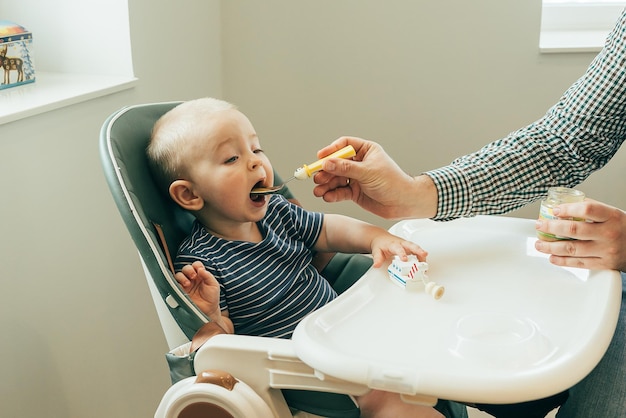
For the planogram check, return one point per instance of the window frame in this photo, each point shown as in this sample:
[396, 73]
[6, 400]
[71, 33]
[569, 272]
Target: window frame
[577, 25]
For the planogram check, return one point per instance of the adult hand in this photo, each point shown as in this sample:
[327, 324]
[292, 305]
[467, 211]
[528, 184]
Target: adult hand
[374, 181]
[600, 243]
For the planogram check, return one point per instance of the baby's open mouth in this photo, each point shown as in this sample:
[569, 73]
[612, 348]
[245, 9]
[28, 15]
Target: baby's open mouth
[257, 197]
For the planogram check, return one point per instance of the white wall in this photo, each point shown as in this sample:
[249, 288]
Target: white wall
[430, 80]
[80, 335]
[97, 43]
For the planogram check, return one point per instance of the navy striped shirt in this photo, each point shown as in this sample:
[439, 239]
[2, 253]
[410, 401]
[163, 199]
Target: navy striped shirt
[576, 137]
[267, 287]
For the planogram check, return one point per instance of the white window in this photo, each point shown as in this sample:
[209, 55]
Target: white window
[577, 25]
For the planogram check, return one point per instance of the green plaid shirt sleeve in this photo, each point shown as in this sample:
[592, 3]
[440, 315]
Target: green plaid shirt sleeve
[576, 137]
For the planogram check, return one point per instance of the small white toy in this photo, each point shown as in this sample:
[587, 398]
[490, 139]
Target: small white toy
[411, 275]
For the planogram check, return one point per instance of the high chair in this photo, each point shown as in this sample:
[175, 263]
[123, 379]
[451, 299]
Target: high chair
[510, 328]
[262, 366]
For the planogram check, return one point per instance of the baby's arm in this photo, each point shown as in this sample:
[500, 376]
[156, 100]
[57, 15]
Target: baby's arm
[204, 291]
[348, 235]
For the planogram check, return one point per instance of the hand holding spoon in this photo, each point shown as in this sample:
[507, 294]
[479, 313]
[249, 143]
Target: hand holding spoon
[307, 171]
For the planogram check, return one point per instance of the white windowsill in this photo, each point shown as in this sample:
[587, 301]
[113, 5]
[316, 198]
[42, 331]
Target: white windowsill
[56, 90]
[572, 41]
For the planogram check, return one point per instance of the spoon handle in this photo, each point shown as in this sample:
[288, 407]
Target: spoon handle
[308, 170]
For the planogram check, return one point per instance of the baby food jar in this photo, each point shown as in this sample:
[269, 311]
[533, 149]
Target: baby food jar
[556, 196]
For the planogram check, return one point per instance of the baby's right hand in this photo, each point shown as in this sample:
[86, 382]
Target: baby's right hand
[202, 287]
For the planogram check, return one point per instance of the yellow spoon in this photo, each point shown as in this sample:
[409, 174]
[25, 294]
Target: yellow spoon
[307, 171]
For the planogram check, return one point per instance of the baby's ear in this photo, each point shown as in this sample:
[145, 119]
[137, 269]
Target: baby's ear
[182, 193]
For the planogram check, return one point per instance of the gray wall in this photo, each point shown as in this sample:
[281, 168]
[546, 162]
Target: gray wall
[429, 80]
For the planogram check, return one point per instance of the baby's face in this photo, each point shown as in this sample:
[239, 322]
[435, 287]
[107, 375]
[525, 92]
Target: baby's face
[225, 162]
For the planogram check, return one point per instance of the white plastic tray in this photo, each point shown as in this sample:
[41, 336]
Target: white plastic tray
[510, 327]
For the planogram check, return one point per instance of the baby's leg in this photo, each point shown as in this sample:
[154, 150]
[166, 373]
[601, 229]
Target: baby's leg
[379, 404]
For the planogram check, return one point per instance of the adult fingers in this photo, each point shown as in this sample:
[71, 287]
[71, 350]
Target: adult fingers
[589, 209]
[568, 229]
[578, 253]
[340, 167]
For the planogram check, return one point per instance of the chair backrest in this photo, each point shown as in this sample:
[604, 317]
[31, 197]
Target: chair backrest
[123, 140]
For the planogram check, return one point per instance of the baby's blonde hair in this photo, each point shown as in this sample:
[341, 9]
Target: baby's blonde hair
[165, 150]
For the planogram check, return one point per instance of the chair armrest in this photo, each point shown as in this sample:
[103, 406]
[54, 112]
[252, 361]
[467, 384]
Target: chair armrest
[266, 365]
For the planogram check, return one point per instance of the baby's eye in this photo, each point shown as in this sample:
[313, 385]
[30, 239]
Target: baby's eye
[231, 160]
[258, 151]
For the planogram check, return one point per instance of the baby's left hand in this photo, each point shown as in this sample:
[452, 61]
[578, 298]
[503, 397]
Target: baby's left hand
[388, 245]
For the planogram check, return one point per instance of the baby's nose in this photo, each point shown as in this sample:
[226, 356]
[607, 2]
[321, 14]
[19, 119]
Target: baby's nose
[254, 163]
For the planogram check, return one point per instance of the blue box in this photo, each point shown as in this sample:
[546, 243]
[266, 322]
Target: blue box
[15, 55]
